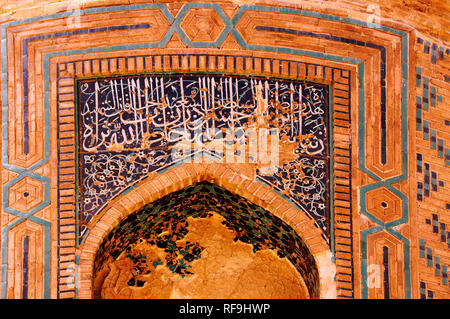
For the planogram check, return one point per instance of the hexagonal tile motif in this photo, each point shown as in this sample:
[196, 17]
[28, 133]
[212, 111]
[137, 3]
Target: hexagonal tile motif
[202, 25]
[26, 194]
[384, 204]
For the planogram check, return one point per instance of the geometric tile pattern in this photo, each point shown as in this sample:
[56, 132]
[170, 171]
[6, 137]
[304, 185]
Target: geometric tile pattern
[26, 194]
[434, 262]
[439, 228]
[428, 100]
[384, 205]
[202, 25]
[383, 249]
[433, 50]
[432, 166]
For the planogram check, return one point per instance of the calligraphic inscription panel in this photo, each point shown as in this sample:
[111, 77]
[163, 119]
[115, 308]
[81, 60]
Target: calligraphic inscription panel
[131, 127]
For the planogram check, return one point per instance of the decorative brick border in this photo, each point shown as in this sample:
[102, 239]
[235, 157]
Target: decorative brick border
[225, 176]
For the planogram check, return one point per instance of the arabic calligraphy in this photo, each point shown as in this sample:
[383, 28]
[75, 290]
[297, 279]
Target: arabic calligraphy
[304, 180]
[131, 127]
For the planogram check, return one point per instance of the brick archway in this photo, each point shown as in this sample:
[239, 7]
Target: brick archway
[226, 176]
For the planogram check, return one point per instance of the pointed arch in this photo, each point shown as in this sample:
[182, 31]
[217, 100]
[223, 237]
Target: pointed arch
[226, 176]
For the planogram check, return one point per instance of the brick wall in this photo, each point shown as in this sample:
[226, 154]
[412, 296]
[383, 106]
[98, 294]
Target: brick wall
[433, 162]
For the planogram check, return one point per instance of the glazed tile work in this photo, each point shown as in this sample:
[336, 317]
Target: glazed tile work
[432, 164]
[371, 205]
[131, 127]
[163, 223]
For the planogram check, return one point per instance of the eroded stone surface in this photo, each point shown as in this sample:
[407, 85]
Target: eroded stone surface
[164, 224]
[226, 269]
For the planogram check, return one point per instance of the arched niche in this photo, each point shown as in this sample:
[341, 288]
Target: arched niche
[175, 233]
[314, 247]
